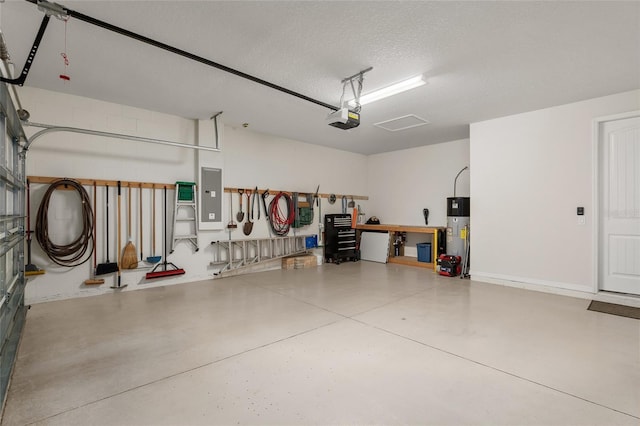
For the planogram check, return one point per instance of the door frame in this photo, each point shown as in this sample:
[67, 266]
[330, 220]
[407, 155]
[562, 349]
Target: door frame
[597, 125]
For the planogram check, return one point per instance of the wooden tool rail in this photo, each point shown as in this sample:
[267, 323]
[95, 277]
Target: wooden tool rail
[276, 191]
[103, 182]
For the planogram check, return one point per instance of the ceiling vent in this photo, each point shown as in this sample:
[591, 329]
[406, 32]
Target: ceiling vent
[402, 123]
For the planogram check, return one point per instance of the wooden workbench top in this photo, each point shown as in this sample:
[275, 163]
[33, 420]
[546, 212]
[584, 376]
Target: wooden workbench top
[400, 228]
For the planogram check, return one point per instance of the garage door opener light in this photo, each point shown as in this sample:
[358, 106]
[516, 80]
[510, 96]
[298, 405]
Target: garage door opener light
[385, 92]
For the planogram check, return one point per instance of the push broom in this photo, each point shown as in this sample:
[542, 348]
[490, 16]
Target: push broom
[165, 272]
[94, 280]
[30, 268]
[129, 255]
[119, 286]
[107, 267]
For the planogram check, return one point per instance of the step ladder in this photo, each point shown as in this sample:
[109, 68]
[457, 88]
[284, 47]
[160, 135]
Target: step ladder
[185, 215]
[235, 254]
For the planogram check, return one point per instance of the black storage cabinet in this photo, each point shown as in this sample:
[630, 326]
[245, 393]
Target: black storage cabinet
[339, 238]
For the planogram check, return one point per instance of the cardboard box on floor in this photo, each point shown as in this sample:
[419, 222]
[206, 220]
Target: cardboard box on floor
[300, 262]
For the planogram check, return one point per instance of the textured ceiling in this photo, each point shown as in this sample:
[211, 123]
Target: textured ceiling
[482, 60]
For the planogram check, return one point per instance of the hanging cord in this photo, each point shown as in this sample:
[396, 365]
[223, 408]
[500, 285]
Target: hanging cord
[68, 255]
[281, 223]
[65, 58]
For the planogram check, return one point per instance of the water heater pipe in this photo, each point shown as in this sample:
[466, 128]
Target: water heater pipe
[455, 181]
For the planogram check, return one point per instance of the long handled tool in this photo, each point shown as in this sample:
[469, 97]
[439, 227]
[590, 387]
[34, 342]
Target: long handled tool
[240, 215]
[140, 222]
[255, 203]
[30, 268]
[119, 286]
[94, 280]
[108, 267]
[129, 255]
[153, 259]
[164, 272]
[248, 225]
[231, 224]
[467, 251]
[264, 197]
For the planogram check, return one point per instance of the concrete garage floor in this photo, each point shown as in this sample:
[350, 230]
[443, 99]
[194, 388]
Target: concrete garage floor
[353, 343]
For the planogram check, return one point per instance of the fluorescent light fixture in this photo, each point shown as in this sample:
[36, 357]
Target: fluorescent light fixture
[394, 89]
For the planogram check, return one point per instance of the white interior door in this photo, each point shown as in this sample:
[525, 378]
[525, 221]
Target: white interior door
[620, 206]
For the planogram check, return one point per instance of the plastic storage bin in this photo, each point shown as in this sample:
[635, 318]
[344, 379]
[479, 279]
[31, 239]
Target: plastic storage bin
[424, 252]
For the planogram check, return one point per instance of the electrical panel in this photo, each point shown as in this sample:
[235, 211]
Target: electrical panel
[211, 195]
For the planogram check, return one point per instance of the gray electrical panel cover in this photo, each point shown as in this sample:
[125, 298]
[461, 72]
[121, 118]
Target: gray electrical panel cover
[211, 192]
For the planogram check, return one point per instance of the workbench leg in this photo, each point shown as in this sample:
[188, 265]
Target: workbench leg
[434, 250]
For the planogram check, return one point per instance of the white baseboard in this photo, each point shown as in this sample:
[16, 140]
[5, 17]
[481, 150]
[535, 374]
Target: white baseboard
[563, 289]
[554, 287]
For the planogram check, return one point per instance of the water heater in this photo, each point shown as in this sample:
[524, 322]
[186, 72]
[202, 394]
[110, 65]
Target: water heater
[458, 213]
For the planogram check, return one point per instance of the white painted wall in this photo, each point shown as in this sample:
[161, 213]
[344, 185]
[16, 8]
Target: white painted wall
[529, 172]
[248, 159]
[403, 183]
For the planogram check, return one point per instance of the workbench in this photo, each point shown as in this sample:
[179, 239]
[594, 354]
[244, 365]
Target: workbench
[407, 260]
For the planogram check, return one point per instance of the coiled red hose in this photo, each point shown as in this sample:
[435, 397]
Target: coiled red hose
[281, 223]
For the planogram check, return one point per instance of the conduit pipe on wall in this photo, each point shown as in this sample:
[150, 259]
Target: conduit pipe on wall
[455, 181]
[48, 128]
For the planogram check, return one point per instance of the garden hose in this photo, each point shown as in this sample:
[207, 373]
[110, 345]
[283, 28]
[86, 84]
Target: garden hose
[281, 223]
[78, 251]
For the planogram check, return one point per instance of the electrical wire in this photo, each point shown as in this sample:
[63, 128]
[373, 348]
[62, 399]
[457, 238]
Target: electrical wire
[281, 223]
[72, 254]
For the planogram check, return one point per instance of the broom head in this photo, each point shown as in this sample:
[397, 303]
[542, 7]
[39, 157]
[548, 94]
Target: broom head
[129, 257]
[164, 272]
[31, 269]
[106, 268]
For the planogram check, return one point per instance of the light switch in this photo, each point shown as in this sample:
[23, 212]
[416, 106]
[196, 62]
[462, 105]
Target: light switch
[581, 220]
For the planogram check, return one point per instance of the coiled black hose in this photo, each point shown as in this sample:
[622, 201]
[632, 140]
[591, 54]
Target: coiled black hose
[72, 254]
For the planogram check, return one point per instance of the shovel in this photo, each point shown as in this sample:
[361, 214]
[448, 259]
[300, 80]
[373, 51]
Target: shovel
[248, 225]
[240, 215]
[231, 224]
